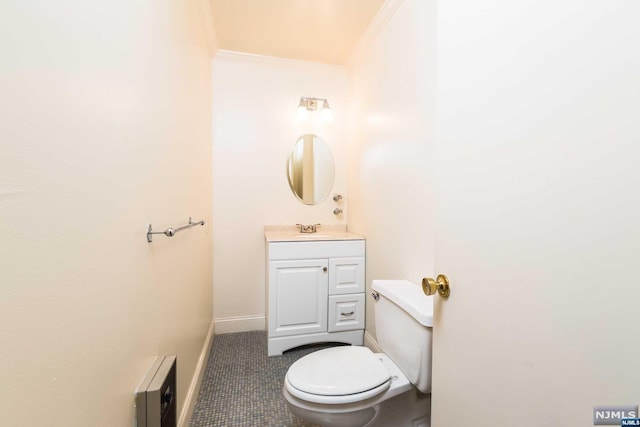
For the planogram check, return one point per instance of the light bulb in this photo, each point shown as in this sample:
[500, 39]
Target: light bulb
[326, 111]
[302, 109]
[303, 113]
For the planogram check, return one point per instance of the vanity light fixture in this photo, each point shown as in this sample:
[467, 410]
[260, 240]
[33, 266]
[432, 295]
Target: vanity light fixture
[307, 104]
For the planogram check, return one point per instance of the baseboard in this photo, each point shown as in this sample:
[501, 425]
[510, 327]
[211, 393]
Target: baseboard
[371, 344]
[194, 389]
[229, 325]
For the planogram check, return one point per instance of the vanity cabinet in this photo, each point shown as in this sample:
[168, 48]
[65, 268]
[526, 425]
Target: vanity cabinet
[315, 293]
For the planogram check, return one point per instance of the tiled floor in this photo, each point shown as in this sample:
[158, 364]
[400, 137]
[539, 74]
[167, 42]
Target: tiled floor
[242, 386]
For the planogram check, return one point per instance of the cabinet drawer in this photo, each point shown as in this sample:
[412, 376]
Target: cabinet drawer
[346, 275]
[346, 312]
[314, 250]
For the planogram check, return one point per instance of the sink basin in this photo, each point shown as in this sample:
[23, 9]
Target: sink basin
[312, 236]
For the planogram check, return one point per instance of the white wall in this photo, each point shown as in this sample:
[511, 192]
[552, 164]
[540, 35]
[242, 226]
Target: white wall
[255, 125]
[391, 154]
[105, 126]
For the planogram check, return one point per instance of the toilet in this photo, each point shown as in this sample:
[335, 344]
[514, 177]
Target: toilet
[351, 386]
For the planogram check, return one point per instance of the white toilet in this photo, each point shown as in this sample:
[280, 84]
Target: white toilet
[352, 386]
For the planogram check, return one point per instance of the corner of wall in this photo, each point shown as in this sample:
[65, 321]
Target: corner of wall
[375, 27]
[208, 26]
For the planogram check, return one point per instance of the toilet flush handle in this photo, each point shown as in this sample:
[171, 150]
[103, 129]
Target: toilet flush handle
[375, 295]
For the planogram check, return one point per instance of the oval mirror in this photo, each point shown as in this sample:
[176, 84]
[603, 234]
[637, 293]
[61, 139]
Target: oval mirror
[310, 169]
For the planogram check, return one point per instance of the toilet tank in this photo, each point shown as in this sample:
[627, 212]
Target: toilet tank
[404, 320]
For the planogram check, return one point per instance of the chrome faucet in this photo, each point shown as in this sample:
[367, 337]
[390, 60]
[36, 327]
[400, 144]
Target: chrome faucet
[311, 228]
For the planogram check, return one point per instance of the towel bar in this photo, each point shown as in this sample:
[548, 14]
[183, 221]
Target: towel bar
[170, 232]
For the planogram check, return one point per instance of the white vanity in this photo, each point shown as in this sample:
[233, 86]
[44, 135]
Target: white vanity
[315, 287]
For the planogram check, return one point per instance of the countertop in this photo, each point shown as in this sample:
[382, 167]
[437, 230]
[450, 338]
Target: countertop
[291, 233]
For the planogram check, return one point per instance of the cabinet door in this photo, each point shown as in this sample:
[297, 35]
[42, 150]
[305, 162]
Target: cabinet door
[346, 275]
[298, 297]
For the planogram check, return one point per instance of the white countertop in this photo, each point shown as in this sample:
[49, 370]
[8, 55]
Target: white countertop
[291, 233]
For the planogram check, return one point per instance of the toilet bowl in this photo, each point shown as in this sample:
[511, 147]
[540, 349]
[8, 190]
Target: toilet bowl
[314, 398]
[352, 386]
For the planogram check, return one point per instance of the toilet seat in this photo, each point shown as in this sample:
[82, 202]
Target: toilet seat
[338, 375]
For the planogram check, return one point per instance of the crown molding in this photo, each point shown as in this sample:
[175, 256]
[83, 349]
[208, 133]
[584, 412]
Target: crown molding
[204, 10]
[232, 56]
[378, 23]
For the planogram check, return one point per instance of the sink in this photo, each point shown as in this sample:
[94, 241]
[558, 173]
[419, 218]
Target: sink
[312, 236]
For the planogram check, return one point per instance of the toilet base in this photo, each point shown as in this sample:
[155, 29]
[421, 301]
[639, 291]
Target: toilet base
[408, 409]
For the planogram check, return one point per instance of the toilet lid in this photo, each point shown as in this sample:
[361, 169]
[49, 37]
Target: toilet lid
[339, 371]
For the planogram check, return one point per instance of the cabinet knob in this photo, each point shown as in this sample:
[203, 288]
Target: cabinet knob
[324, 269]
